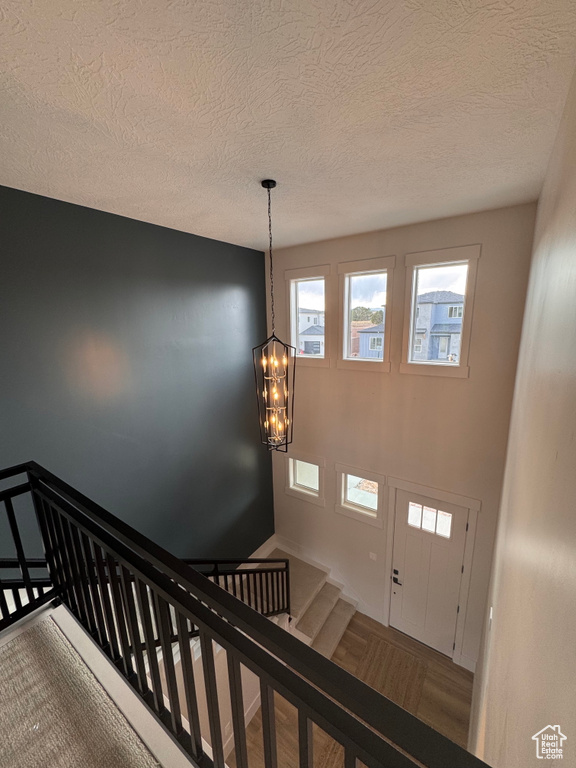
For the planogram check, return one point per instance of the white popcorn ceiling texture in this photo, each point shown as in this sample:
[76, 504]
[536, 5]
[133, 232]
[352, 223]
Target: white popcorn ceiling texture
[369, 113]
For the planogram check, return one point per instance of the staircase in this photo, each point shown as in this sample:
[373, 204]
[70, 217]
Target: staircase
[127, 596]
[319, 611]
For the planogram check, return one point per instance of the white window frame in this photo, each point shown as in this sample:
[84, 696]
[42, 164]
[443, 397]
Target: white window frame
[372, 344]
[455, 310]
[355, 511]
[299, 492]
[350, 269]
[442, 257]
[291, 276]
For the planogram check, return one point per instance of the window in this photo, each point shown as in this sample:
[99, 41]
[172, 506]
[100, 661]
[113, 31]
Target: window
[307, 301]
[305, 478]
[360, 494]
[435, 287]
[365, 300]
[312, 348]
[365, 315]
[438, 313]
[306, 475]
[429, 519]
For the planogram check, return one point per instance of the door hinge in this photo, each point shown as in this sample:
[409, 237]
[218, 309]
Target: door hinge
[466, 526]
[458, 609]
[462, 571]
[454, 646]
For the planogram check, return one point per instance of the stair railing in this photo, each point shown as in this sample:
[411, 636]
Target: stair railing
[123, 589]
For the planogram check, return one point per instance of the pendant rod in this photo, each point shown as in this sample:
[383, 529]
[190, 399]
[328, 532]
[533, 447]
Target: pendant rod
[268, 185]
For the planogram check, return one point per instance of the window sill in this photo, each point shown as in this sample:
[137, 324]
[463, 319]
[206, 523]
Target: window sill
[373, 366]
[447, 371]
[312, 498]
[312, 362]
[363, 517]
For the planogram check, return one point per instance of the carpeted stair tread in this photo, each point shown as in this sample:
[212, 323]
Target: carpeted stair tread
[305, 583]
[333, 629]
[318, 611]
[53, 711]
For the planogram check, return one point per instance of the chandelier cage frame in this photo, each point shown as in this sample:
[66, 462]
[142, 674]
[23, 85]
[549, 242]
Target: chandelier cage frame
[274, 372]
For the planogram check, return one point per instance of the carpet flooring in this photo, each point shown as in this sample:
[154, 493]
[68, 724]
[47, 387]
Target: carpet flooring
[53, 711]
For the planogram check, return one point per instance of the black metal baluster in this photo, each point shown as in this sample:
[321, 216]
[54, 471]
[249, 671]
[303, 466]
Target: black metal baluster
[164, 627]
[96, 597]
[133, 631]
[65, 561]
[212, 699]
[261, 591]
[3, 604]
[80, 568]
[237, 704]
[241, 583]
[268, 725]
[73, 566]
[105, 594]
[16, 598]
[126, 661]
[287, 587]
[150, 643]
[189, 686]
[305, 741]
[19, 548]
[47, 543]
[53, 556]
[349, 758]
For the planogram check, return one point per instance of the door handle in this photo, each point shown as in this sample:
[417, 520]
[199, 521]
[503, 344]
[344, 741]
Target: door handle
[395, 580]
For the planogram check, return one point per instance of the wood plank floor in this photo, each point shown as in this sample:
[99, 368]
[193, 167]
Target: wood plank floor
[426, 683]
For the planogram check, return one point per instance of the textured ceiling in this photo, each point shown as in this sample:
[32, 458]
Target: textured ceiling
[369, 113]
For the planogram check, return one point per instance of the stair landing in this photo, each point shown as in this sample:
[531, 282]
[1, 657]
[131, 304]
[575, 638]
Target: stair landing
[320, 613]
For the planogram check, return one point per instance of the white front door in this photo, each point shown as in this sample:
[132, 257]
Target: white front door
[428, 553]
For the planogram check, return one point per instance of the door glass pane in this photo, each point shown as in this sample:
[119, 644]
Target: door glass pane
[438, 304]
[429, 519]
[444, 524]
[308, 306]
[365, 316]
[414, 515]
[306, 475]
[361, 492]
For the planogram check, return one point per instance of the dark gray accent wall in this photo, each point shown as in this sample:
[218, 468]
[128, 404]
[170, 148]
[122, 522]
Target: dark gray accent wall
[125, 368]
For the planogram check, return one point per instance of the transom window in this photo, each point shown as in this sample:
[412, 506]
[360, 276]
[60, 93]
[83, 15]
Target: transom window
[365, 315]
[430, 519]
[308, 316]
[438, 301]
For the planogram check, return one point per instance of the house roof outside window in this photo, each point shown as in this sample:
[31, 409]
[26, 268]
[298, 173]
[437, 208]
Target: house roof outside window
[440, 297]
[447, 328]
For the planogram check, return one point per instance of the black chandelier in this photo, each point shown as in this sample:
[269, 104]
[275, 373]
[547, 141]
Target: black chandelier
[274, 369]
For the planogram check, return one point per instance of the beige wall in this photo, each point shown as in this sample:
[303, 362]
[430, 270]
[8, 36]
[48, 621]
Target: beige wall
[529, 667]
[444, 433]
